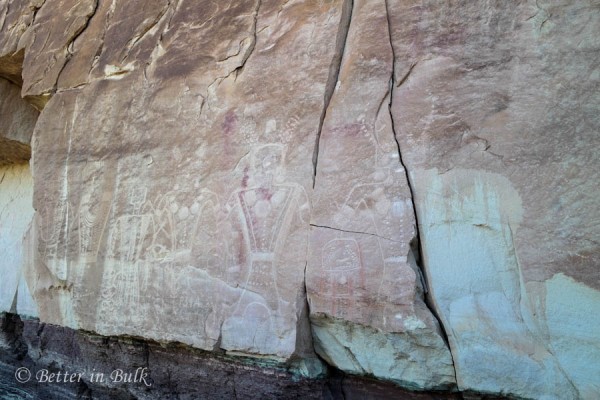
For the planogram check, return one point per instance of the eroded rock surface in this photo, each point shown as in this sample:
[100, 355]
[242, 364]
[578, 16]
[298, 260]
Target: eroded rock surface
[16, 215]
[499, 131]
[365, 288]
[272, 178]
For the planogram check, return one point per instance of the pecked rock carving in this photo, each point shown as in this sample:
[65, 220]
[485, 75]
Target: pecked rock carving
[404, 190]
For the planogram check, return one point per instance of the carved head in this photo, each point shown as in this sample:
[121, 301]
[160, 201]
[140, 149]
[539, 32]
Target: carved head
[268, 161]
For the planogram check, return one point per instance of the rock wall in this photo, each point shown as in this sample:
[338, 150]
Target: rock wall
[16, 214]
[17, 121]
[172, 371]
[499, 132]
[405, 190]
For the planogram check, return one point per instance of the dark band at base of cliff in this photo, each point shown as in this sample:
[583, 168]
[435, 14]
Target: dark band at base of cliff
[175, 371]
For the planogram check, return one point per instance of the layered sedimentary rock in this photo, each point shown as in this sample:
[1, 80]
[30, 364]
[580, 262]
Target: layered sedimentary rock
[170, 371]
[281, 179]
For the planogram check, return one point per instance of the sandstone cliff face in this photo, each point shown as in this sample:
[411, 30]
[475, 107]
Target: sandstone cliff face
[17, 121]
[401, 189]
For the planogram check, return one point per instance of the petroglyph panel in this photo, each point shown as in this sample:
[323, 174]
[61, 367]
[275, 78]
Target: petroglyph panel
[362, 274]
[184, 266]
[194, 162]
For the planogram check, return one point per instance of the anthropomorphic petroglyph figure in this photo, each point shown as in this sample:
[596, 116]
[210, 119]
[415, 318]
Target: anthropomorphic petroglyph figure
[342, 268]
[207, 243]
[263, 214]
[126, 266]
[94, 208]
[266, 231]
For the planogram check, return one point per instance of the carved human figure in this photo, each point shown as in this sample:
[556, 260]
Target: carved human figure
[262, 215]
[342, 267]
[266, 235]
[207, 243]
[94, 208]
[126, 266]
[56, 220]
[378, 208]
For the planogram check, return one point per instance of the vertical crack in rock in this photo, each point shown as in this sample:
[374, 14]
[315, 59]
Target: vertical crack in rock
[144, 32]
[238, 69]
[306, 294]
[71, 41]
[334, 71]
[416, 248]
[250, 50]
[35, 10]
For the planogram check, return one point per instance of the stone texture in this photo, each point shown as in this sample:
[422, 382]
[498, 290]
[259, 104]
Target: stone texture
[185, 215]
[269, 178]
[173, 371]
[49, 44]
[16, 215]
[16, 17]
[499, 133]
[16, 125]
[17, 32]
[365, 290]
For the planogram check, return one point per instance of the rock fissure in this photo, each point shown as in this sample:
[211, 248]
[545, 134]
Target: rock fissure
[36, 9]
[71, 41]
[417, 248]
[334, 72]
[168, 24]
[349, 231]
[239, 68]
[133, 41]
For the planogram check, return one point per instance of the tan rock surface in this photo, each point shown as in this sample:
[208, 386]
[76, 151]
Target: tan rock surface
[178, 210]
[243, 176]
[365, 289]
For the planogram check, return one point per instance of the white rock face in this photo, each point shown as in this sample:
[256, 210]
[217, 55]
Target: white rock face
[467, 222]
[390, 355]
[16, 214]
[572, 328]
[498, 128]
